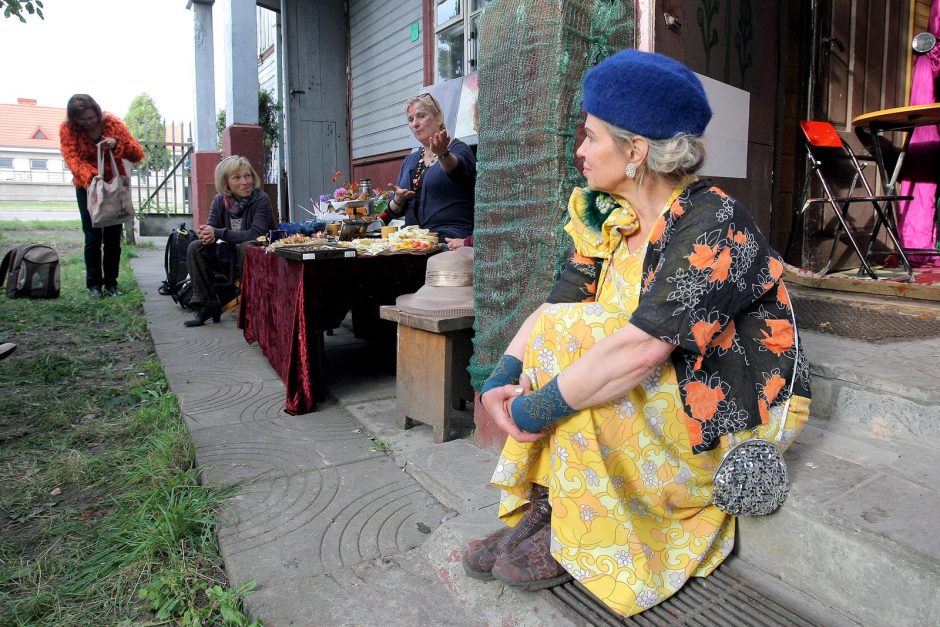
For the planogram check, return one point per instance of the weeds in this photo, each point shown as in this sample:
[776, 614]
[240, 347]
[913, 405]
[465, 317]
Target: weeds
[381, 445]
[103, 519]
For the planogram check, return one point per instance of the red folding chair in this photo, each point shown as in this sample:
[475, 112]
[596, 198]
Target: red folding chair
[836, 166]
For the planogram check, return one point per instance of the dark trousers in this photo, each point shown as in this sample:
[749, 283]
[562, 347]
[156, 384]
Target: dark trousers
[208, 265]
[110, 237]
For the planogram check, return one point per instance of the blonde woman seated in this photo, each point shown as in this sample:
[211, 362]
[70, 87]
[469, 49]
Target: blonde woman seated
[607, 470]
[240, 212]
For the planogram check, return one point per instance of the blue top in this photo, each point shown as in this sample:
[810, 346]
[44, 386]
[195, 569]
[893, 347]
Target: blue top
[444, 202]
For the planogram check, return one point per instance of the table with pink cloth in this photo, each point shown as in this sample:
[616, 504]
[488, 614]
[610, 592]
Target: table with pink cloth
[287, 305]
[916, 219]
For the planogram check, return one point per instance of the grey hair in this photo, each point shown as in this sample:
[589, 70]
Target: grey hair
[673, 158]
[430, 103]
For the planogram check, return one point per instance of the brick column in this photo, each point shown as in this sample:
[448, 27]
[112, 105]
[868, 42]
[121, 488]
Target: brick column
[246, 140]
[202, 169]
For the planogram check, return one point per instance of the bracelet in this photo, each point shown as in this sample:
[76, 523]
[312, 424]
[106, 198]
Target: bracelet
[443, 154]
[536, 411]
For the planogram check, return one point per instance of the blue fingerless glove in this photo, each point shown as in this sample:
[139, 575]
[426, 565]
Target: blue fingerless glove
[506, 372]
[541, 408]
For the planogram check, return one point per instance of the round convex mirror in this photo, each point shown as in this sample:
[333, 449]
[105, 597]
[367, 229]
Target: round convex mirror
[924, 43]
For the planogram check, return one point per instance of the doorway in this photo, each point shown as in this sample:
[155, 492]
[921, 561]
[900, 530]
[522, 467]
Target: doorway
[854, 57]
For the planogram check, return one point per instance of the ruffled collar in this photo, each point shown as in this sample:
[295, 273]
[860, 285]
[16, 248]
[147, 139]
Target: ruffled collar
[599, 221]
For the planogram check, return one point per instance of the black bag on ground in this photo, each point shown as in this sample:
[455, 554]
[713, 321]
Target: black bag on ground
[174, 260]
[184, 293]
[31, 271]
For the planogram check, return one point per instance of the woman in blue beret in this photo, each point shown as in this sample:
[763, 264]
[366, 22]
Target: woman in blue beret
[619, 407]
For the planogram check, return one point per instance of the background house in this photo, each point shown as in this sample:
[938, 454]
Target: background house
[31, 165]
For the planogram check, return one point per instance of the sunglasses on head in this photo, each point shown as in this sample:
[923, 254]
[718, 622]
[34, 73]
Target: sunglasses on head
[430, 97]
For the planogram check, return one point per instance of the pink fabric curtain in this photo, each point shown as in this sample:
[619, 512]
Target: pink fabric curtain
[917, 218]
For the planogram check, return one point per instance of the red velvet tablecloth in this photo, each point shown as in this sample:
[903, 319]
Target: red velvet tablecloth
[285, 305]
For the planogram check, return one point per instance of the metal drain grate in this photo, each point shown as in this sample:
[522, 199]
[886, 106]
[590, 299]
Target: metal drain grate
[865, 323]
[722, 599]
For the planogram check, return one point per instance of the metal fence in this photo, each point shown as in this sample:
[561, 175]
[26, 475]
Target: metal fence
[162, 183]
[35, 176]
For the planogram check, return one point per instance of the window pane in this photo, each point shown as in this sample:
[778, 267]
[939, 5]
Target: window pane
[450, 52]
[447, 9]
[474, 41]
[37, 164]
[476, 5]
[6, 162]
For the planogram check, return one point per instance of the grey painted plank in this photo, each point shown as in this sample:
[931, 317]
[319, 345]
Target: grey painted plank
[382, 59]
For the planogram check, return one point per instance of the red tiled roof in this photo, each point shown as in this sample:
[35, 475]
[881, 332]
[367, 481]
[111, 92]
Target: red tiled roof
[19, 123]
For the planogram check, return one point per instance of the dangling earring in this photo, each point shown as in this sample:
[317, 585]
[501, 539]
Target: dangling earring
[631, 170]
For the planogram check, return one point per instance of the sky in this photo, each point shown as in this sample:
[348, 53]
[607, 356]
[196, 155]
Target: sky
[144, 46]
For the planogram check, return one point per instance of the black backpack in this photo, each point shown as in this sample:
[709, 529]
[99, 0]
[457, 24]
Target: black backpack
[174, 260]
[31, 271]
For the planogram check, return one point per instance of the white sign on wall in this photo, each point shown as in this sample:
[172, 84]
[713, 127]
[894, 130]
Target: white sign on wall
[726, 134]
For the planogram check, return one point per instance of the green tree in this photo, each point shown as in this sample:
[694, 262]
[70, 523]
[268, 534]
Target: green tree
[268, 108]
[146, 125]
[15, 8]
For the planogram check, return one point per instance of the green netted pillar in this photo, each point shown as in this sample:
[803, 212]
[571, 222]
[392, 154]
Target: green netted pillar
[533, 56]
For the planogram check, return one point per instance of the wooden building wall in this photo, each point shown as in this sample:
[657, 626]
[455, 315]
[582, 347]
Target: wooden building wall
[737, 44]
[386, 68]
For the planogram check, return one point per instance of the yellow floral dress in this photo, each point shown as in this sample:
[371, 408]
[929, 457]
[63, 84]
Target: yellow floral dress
[631, 513]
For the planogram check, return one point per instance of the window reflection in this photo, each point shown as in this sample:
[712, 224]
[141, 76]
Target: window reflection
[450, 52]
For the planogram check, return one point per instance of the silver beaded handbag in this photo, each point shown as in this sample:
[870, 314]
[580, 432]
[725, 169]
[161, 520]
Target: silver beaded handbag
[752, 478]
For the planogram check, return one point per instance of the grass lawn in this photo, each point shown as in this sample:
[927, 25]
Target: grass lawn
[102, 518]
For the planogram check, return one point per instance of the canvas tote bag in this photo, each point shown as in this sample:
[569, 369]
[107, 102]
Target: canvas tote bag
[109, 202]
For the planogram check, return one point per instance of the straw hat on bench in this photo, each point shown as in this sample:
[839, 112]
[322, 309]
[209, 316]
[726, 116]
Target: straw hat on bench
[448, 287]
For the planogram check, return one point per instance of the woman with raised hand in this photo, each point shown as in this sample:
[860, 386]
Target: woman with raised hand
[435, 187]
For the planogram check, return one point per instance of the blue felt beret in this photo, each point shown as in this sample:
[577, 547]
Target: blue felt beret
[647, 94]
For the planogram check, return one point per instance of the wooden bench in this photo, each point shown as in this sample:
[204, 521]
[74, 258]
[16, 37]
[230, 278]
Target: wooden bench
[432, 377]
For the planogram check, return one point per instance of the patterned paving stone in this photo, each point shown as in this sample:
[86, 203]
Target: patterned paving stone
[401, 588]
[264, 450]
[220, 397]
[202, 345]
[316, 522]
[266, 405]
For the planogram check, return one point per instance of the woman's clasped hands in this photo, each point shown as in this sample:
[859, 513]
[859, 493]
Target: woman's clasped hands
[497, 403]
[206, 234]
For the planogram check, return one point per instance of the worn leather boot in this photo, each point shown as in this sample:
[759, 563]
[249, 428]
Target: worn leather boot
[480, 555]
[530, 566]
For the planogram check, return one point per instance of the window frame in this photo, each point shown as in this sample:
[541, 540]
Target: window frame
[470, 37]
[44, 166]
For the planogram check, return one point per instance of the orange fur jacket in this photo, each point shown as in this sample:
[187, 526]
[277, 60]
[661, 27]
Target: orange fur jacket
[81, 154]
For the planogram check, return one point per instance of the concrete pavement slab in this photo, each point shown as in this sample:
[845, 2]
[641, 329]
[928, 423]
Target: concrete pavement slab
[313, 523]
[457, 473]
[275, 448]
[398, 587]
[267, 404]
[491, 601]
[897, 510]
[200, 397]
